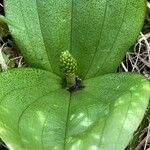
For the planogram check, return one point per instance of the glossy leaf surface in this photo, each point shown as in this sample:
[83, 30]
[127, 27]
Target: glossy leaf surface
[36, 113]
[97, 32]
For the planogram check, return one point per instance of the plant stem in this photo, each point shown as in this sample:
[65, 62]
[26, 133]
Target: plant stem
[71, 79]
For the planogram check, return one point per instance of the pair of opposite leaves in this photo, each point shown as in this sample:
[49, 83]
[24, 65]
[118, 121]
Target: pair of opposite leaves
[35, 112]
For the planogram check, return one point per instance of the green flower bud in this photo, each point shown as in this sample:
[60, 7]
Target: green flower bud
[68, 64]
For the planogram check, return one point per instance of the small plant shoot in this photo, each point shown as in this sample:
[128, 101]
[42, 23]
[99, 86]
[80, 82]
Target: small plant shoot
[68, 66]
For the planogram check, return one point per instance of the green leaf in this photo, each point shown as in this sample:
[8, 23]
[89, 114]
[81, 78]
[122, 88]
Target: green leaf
[36, 113]
[97, 32]
[32, 103]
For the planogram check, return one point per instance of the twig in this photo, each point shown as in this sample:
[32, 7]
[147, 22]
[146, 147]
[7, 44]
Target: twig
[2, 60]
[148, 135]
[147, 45]
[124, 67]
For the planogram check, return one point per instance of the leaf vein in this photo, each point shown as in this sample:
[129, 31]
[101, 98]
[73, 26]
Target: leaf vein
[115, 39]
[100, 37]
[42, 35]
[67, 122]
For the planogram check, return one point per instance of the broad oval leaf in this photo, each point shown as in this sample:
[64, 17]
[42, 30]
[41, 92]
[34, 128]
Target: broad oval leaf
[97, 32]
[36, 113]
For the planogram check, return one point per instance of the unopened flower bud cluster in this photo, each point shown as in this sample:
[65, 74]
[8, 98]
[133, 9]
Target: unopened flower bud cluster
[67, 63]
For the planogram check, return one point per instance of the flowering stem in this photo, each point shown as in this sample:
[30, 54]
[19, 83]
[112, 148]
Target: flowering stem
[68, 66]
[71, 79]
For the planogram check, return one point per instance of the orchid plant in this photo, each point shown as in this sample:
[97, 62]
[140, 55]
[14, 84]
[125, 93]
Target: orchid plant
[70, 96]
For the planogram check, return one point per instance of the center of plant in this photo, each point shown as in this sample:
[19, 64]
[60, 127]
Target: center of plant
[68, 66]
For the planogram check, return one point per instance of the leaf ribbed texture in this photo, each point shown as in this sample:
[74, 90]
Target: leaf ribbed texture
[36, 113]
[97, 32]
